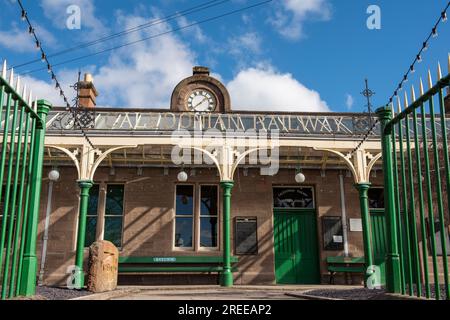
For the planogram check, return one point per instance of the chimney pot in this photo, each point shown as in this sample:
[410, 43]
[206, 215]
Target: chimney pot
[201, 70]
[87, 92]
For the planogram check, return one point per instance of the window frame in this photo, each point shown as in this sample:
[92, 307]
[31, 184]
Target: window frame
[193, 216]
[198, 218]
[313, 189]
[122, 215]
[92, 215]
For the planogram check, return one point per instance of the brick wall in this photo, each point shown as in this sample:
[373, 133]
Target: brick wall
[149, 212]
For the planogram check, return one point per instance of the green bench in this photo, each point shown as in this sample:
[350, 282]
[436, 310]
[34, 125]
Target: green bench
[345, 265]
[182, 264]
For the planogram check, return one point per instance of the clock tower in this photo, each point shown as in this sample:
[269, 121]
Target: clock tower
[200, 93]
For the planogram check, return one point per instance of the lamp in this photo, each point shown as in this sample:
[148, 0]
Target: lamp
[182, 176]
[53, 175]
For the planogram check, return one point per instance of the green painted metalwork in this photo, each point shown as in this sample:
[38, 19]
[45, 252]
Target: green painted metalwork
[379, 241]
[440, 203]
[393, 271]
[407, 258]
[227, 275]
[363, 189]
[430, 208]
[177, 259]
[418, 203]
[23, 132]
[421, 207]
[399, 215]
[296, 247]
[411, 213]
[29, 266]
[85, 186]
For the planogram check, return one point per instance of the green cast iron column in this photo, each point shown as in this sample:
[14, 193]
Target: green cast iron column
[363, 189]
[29, 266]
[393, 275]
[227, 275]
[85, 186]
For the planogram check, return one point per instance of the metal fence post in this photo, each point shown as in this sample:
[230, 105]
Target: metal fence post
[363, 189]
[29, 267]
[85, 186]
[227, 275]
[393, 274]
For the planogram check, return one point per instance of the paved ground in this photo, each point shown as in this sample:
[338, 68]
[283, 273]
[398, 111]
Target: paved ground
[209, 293]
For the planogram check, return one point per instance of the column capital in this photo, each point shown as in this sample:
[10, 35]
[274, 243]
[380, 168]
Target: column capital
[43, 106]
[384, 113]
[363, 186]
[85, 183]
[227, 183]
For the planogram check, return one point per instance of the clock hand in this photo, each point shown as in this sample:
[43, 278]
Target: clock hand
[204, 99]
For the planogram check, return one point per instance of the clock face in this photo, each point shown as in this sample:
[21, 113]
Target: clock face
[201, 100]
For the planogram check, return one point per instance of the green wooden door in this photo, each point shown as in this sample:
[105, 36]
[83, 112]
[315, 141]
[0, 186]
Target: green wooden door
[379, 241]
[296, 248]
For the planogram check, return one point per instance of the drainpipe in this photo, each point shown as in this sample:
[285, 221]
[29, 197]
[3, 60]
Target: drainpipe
[47, 222]
[344, 214]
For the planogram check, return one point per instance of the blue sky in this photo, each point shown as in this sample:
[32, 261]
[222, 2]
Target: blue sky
[287, 55]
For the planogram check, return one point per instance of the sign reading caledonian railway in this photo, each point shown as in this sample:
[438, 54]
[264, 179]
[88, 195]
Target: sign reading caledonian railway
[168, 121]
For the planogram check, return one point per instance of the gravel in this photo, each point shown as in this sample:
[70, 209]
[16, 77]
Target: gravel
[55, 293]
[349, 294]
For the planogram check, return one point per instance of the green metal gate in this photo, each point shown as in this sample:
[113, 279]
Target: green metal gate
[417, 192]
[22, 130]
[296, 248]
[379, 243]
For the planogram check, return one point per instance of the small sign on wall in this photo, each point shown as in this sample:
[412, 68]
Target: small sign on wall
[356, 225]
[246, 239]
[332, 233]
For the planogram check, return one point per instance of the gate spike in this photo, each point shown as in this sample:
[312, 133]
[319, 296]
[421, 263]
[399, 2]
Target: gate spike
[4, 70]
[35, 106]
[422, 92]
[392, 109]
[413, 94]
[430, 80]
[29, 98]
[18, 84]
[11, 77]
[406, 100]
[24, 91]
[439, 71]
[399, 104]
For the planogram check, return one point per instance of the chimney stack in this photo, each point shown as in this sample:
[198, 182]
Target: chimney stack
[201, 71]
[87, 92]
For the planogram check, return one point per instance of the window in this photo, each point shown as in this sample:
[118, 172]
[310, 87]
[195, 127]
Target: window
[293, 198]
[114, 214]
[376, 198]
[184, 216]
[208, 216]
[111, 218]
[91, 218]
[196, 217]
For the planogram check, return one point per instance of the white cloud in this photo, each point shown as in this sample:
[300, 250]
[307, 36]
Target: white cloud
[145, 75]
[249, 42]
[349, 101]
[264, 89]
[290, 15]
[56, 11]
[17, 38]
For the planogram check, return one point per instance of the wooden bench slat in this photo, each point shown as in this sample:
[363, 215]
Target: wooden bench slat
[346, 269]
[346, 260]
[170, 269]
[177, 259]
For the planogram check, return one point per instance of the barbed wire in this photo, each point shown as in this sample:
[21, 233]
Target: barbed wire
[44, 59]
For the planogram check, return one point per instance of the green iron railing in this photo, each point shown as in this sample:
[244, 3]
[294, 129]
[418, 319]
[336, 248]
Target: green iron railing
[417, 184]
[22, 131]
